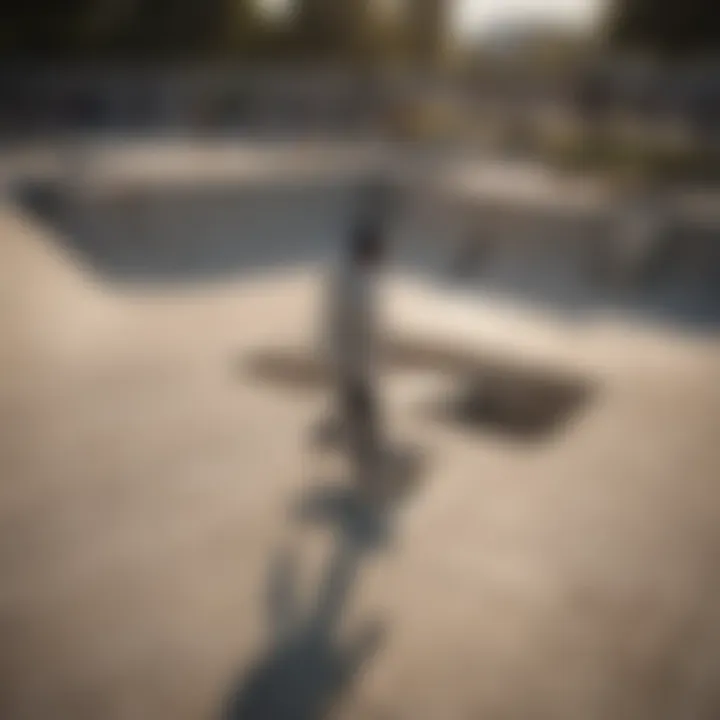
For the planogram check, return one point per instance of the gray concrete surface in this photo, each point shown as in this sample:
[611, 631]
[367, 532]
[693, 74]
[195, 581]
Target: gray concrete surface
[172, 545]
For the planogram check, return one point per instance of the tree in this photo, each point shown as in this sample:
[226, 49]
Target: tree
[666, 28]
[38, 28]
[129, 29]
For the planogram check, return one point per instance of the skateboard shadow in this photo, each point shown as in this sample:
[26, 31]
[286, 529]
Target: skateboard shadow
[490, 393]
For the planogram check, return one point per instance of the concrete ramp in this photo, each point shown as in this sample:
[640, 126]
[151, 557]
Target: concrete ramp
[48, 305]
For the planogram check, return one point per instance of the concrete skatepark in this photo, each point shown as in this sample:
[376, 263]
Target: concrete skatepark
[172, 545]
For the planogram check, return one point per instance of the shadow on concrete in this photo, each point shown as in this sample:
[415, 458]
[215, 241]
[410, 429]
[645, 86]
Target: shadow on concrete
[313, 659]
[183, 232]
[307, 666]
[285, 368]
[523, 406]
[491, 393]
[192, 233]
[676, 285]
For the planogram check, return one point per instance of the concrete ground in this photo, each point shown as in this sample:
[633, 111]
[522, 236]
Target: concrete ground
[172, 545]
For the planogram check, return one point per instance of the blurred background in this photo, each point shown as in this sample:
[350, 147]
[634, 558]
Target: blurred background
[624, 87]
[177, 180]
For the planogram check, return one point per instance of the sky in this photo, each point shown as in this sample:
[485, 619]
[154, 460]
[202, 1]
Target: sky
[476, 16]
[472, 17]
